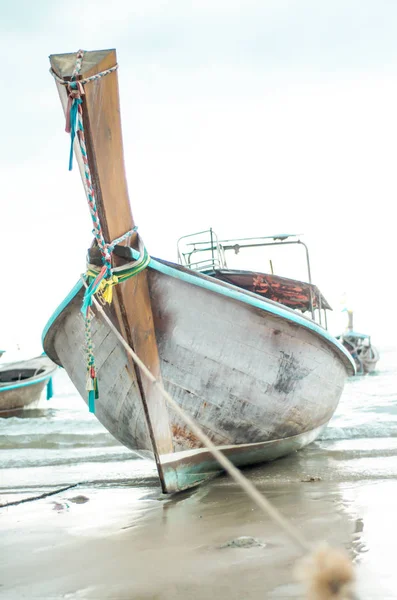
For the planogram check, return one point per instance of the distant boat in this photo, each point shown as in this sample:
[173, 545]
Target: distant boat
[22, 383]
[260, 379]
[1, 353]
[359, 345]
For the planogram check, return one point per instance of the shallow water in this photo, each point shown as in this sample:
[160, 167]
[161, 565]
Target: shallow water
[368, 407]
[126, 540]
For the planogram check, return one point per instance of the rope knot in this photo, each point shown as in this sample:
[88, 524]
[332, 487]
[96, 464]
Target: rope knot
[107, 250]
[75, 91]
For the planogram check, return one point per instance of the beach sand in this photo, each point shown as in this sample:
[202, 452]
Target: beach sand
[122, 542]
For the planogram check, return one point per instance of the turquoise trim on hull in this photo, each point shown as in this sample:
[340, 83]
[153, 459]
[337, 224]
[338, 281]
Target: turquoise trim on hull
[231, 292]
[73, 292]
[274, 309]
[25, 383]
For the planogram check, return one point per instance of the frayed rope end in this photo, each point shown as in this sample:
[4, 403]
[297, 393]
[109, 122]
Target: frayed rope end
[327, 574]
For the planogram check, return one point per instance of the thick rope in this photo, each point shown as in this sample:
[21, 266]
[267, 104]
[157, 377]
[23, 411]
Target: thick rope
[75, 126]
[260, 500]
[327, 573]
[40, 497]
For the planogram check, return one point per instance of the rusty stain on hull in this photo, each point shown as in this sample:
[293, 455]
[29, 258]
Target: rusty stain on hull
[290, 292]
[182, 436]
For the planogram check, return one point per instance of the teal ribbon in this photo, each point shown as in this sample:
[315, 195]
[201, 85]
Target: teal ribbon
[50, 390]
[89, 292]
[73, 122]
[91, 401]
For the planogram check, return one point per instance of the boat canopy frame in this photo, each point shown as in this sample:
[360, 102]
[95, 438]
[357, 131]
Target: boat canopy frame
[218, 248]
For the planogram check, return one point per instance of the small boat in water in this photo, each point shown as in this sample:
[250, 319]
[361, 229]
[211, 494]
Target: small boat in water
[260, 379]
[365, 355]
[22, 383]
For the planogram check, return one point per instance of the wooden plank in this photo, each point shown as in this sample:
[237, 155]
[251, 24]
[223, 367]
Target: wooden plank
[102, 124]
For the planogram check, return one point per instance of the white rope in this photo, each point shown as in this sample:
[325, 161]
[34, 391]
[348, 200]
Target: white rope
[261, 501]
[86, 80]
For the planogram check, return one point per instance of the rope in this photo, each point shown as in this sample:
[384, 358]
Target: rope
[87, 79]
[91, 381]
[105, 279]
[75, 126]
[101, 281]
[327, 573]
[45, 495]
[260, 500]
[102, 284]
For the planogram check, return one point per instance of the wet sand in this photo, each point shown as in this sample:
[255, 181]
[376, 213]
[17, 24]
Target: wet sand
[122, 542]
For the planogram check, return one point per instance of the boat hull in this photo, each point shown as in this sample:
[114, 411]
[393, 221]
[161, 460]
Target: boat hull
[370, 360]
[189, 468]
[369, 366]
[17, 399]
[366, 357]
[258, 380]
[22, 383]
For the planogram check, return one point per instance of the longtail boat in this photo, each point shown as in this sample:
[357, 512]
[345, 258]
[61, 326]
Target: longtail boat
[260, 379]
[364, 353]
[22, 383]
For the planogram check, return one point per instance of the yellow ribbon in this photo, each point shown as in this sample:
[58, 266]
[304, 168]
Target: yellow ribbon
[106, 288]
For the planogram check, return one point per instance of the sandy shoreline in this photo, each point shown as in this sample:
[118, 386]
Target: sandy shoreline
[127, 543]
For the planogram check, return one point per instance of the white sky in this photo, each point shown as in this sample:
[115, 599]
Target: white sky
[253, 117]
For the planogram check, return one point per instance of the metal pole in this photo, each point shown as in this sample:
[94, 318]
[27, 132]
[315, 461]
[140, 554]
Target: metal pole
[212, 247]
